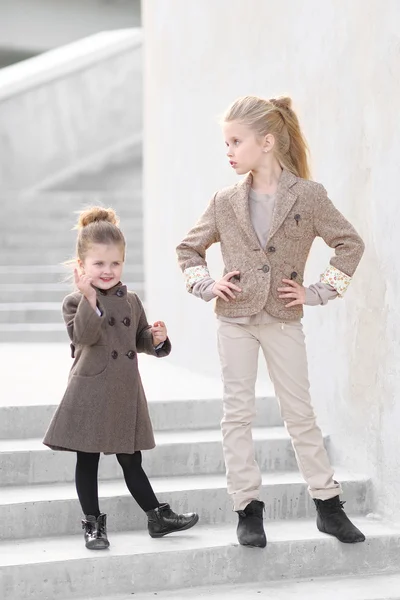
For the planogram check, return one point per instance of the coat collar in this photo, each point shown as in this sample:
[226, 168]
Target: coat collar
[119, 290]
[285, 198]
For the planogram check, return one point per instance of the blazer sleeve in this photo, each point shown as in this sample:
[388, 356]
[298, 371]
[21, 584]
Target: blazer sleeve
[144, 337]
[191, 251]
[337, 233]
[83, 323]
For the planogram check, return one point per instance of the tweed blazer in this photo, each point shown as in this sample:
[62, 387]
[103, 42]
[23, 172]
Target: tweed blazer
[302, 212]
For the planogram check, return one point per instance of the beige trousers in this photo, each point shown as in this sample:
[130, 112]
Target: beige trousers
[284, 349]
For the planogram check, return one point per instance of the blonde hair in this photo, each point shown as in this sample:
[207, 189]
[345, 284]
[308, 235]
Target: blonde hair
[275, 116]
[97, 225]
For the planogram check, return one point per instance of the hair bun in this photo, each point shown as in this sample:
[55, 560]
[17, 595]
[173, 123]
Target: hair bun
[282, 102]
[95, 214]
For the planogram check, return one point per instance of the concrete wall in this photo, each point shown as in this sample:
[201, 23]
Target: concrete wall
[78, 105]
[40, 25]
[339, 61]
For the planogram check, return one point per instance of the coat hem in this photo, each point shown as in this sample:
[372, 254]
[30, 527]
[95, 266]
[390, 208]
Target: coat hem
[101, 451]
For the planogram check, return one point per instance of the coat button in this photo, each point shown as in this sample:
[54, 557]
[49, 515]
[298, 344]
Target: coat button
[293, 275]
[114, 354]
[126, 321]
[111, 321]
[131, 354]
[271, 249]
[265, 268]
[119, 293]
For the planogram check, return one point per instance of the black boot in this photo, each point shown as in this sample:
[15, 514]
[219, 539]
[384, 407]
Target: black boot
[163, 520]
[95, 532]
[250, 529]
[332, 519]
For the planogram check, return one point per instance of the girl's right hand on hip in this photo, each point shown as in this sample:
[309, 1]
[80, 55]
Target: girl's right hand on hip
[223, 288]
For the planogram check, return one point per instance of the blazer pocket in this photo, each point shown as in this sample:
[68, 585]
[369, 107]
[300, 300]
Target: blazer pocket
[297, 224]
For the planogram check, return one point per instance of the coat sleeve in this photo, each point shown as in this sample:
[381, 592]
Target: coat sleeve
[192, 250]
[83, 323]
[337, 233]
[144, 338]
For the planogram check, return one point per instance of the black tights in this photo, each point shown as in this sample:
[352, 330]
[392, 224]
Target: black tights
[87, 465]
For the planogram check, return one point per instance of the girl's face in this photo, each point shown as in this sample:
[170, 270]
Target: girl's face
[104, 264]
[246, 150]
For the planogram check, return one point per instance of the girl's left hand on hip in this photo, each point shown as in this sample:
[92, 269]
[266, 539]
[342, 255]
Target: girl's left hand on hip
[295, 291]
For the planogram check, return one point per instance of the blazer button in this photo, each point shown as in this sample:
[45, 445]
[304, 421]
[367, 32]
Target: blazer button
[126, 321]
[114, 354]
[111, 321]
[271, 249]
[293, 275]
[131, 354]
[265, 269]
[119, 293]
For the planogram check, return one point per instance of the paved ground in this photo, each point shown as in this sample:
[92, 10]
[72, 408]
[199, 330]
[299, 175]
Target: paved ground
[37, 374]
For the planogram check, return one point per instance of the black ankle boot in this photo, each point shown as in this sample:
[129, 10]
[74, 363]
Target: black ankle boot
[163, 520]
[95, 532]
[332, 519]
[250, 529]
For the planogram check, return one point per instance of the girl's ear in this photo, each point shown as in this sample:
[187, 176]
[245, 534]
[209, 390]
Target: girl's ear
[269, 142]
[81, 268]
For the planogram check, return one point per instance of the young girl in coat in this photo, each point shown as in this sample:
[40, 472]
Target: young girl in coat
[104, 408]
[266, 225]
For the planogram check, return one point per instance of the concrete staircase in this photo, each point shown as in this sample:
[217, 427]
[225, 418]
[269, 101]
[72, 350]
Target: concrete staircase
[42, 555]
[36, 237]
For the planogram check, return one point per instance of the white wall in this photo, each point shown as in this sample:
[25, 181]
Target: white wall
[339, 61]
[39, 25]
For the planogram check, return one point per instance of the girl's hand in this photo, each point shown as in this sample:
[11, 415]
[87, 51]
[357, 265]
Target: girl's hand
[84, 285]
[296, 291]
[224, 287]
[159, 332]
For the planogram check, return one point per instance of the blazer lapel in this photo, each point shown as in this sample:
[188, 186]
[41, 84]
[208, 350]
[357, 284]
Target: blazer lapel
[285, 198]
[240, 204]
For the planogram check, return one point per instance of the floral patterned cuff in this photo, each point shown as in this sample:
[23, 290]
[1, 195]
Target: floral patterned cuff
[194, 274]
[337, 279]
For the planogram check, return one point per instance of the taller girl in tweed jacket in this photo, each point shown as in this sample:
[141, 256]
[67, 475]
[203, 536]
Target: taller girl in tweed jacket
[266, 225]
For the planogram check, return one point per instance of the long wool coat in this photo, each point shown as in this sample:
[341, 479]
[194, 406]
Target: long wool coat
[303, 211]
[104, 408]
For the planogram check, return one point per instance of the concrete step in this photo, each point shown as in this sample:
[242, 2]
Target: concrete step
[48, 510]
[48, 207]
[28, 461]
[55, 273]
[24, 241]
[21, 422]
[51, 255]
[57, 569]
[30, 312]
[375, 587]
[32, 333]
[46, 292]
[62, 228]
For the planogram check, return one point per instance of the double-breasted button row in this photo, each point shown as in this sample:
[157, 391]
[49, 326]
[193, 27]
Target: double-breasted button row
[126, 321]
[130, 354]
